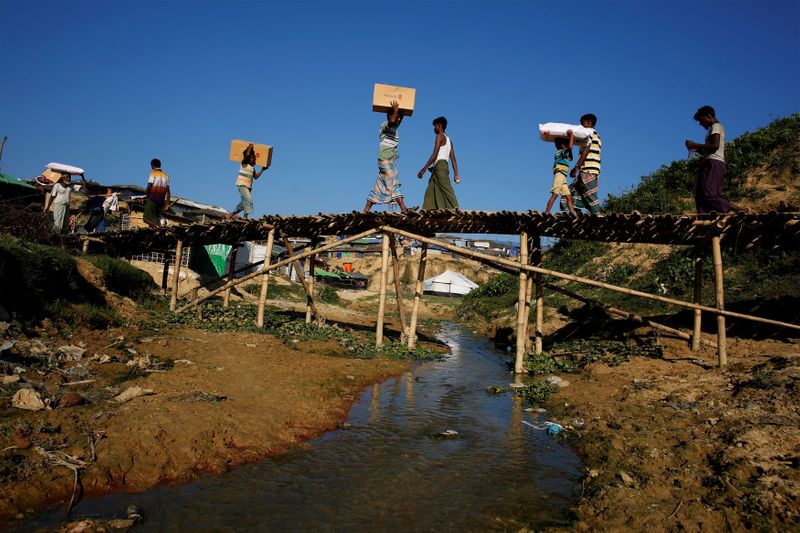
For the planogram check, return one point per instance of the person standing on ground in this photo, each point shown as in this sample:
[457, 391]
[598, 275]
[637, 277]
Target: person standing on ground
[156, 196]
[59, 198]
[440, 194]
[708, 183]
[387, 185]
[244, 182]
[586, 172]
[560, 166]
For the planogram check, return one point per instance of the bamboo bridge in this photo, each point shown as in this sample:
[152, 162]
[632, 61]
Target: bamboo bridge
[741, 231]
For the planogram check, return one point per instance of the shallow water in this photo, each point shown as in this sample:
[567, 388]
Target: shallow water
[386, 472]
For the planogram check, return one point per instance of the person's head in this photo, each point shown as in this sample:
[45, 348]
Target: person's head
[439, 125]
[588, 120]
[65, 177]
[399, 116]
[706, 116]
[155, 163]
[249, 155]
[562, 143]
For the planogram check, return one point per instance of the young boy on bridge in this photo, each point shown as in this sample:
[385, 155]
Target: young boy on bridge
[387, 186]
[560, 166]
[244, 182]
[586, 172]
[708, 183]
[156, 196]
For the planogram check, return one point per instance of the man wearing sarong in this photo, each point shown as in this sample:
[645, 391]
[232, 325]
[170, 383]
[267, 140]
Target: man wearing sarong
[387, 185]
[708, 183]
[586, 172]
[156, 196]
[440, 194]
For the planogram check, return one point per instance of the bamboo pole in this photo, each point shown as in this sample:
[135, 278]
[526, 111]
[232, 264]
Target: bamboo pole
[528, 299]
[85, 248]
[296, 262]
[538, 345]
[199, 307]
[522, 302]
[226, 299]
[719, 289]
[165, 273]
[310, 274]
[418, 289]
[280, 264]
[620, 312]
[382, 294]
[176, 275]
[397, 288]
[696, 298]
[262, 298]
[529, 268]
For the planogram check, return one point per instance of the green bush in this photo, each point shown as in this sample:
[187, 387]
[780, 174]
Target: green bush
[328, 295]
[123, 278]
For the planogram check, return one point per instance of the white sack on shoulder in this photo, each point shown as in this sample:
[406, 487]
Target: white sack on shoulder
[550, 131]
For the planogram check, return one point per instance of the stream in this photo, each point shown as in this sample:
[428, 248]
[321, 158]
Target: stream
[390, 469]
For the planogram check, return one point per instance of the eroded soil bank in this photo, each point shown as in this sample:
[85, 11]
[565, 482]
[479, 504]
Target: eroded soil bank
[675, 444]
[230, 398]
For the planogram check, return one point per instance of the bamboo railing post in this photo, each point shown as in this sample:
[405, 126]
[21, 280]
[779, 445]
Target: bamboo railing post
[696, 298]
[382, 293]
[176, 275]
[226, 299]
[418, 289]
[397, 288]
[310, 274]
[302, 278]
[538, 344]
[262, 298]
[719, 289]
[523, 291]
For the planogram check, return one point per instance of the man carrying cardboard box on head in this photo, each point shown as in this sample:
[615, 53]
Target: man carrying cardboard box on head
[387, 185]
[244, 182]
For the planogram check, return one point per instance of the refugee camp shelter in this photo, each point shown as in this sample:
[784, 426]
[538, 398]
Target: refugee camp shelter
[449, 283]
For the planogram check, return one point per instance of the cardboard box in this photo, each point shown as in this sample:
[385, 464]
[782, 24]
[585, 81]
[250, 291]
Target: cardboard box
[263, 152]
[384, 94]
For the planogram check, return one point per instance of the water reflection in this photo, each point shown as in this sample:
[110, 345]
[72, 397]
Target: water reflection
[392, 471]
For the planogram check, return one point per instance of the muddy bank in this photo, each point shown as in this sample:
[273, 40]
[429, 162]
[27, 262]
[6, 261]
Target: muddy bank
[676, 444]
[222, 399]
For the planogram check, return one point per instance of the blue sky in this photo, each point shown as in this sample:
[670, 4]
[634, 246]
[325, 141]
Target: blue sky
[109, 85]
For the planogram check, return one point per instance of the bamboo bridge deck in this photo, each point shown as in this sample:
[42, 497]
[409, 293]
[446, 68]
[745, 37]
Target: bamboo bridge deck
[742, 231]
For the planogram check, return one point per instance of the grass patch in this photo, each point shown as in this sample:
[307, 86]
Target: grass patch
[123, 278]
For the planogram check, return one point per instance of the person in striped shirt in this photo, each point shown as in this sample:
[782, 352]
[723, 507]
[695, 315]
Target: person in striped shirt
[586, 171]
[156, 196]
[244, 182]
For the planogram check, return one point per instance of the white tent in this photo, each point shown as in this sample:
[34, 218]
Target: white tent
[449, 283]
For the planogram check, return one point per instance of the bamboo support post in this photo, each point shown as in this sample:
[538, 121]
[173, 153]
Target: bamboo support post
[620, 312]
[310, 275]
[719, 289]
[696, 298]
[280, 264]
[538, 345]
[176, 276]
[262, 298]
[165, 273]
[226, 299]
[419, 287]
[296, 262]
[521, 302]
[397, 287]
[586, 281]
[85, 248]
[199, 307]
[382, 294]
[528, 298]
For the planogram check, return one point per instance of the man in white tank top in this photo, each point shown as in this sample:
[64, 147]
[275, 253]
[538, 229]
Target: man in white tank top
[440, 194]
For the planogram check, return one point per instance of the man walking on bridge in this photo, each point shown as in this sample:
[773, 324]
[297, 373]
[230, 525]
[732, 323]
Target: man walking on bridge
[586, 172]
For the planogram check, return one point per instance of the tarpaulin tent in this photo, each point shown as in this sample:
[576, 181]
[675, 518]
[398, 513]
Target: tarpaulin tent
[449, 283]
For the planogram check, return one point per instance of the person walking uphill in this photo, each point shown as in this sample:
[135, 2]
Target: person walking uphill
[244, 182]
[59, 198]
[440, 194]
[156, 196]
[586, 172]
[708, 183]
[387, 185]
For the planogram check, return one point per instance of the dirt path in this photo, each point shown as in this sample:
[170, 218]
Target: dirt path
[243, 397]
[674, 444]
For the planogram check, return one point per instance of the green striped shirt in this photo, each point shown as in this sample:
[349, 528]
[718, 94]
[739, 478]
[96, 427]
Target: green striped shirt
[591, 164]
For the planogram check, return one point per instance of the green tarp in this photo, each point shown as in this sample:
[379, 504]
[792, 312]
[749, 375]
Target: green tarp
[5, 179]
